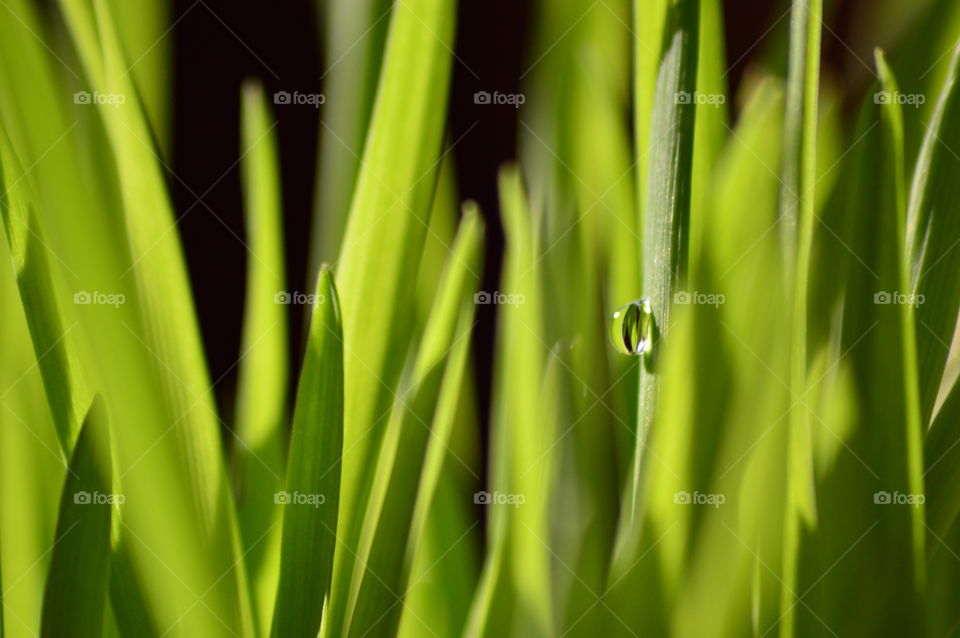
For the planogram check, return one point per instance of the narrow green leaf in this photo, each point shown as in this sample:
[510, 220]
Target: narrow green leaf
[796, 225]
[262, 383]
[311, 494]
[932, 233]
[381, 251]
[385, 567]
[666, 237]
[76, 592]
[53, 343]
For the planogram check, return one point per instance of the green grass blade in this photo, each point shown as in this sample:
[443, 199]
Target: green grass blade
[312, 488]
[386, 564]
[796, 223]
[649, 25]
[170, 331]
[355, 34]
[76, 591]
[666, 236]
[941, 453]
[53, 343]
[381, 250]
[932, 233]
[262, 383]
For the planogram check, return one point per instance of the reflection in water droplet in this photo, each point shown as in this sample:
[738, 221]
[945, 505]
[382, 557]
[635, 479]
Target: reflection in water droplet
[631, 330]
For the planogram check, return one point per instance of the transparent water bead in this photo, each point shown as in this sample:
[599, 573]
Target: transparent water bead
[632, 328]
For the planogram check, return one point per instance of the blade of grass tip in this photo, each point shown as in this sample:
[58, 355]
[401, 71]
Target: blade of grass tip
[67, 394]
[262, 383]
[381, 251]
[170, 328]
[76, 591]
[666, 236]
[796, 223]
[382, 577]
[311, 494]
[932, 233]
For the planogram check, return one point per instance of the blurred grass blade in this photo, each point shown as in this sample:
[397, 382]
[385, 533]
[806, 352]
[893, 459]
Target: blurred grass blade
[796, 224]
[170, 329]
[262, 382]
[76, 590]
[932, 233]
[53, 343]
[386, 564]
[381, 251]
[312, 489]
[942, 466]
[649, 26]
[666, 236]
[355, 33]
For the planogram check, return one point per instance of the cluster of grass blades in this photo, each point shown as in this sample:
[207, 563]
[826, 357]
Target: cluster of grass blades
[762, 441]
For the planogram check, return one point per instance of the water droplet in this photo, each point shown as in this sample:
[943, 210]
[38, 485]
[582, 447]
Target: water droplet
[632, 328]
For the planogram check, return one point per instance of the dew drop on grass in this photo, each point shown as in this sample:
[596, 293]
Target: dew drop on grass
[631, 330]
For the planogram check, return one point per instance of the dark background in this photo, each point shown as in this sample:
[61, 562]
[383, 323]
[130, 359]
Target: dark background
[218, 43]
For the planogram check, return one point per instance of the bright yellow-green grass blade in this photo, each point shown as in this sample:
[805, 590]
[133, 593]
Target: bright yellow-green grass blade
[76, 592]
[311, 494]
[262, 384]
[384, 567]
[52, 337]
[932, 232]
[170, 331]
[381, 251]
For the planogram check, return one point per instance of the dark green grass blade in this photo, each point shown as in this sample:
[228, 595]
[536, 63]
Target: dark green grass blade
[76, 591]
[313, 474]
[882, 440]
[384, 575]
[933, 230]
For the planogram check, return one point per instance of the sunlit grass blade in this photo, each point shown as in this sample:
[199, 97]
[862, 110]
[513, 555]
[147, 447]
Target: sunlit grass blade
[383, 569]
[311, 495]
[381, 251]
[666, 234]
[932, 233]
[169, 330]
[76, 592]
[262, 383]
[53, 343]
